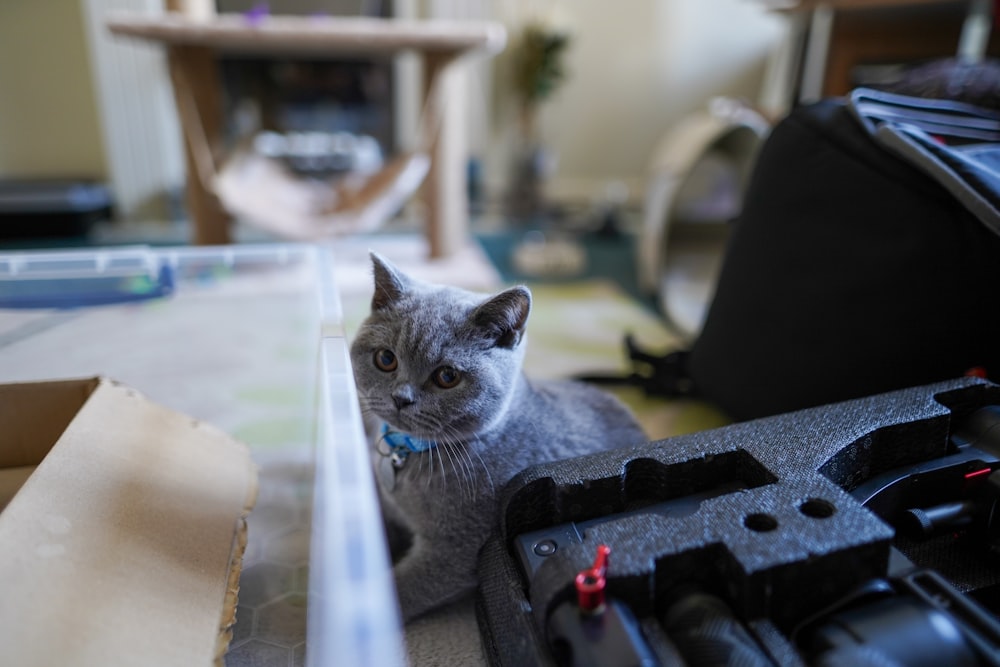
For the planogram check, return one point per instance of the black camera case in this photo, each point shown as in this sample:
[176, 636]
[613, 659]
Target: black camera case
[773, 530]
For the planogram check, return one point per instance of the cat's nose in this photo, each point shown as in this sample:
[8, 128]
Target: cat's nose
[401, 398]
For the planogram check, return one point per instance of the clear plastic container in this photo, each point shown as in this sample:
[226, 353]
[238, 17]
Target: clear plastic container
[249, 338]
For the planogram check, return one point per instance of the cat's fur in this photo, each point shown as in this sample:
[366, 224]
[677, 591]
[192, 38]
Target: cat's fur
[491, 425]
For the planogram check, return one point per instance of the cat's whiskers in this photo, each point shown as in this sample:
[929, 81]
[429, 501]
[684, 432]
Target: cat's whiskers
[463, 465]
[371, 405]
[486, 468]
[462, 457]
[429, 456]
[460, 464]
[427, 467]
[447, 448]
[469, 472]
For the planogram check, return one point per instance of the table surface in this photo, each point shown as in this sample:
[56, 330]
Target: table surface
[326, 34]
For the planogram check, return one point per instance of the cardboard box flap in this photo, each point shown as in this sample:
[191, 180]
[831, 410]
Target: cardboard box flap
[118, 549]
[33, 416]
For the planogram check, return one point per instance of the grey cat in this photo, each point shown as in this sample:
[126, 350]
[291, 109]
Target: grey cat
[440, 367]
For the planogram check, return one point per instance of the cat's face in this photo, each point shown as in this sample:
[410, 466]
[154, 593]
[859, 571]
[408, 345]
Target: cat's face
[438, 362]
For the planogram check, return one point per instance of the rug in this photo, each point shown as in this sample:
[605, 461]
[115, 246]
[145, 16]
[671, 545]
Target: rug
[579, 328]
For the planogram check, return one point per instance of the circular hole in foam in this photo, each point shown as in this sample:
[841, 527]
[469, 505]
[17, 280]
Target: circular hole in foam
[760, 522]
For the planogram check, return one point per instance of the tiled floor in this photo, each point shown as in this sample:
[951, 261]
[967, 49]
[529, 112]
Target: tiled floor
[271, 617]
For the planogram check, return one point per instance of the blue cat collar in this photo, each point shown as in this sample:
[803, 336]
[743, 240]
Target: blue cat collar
[399, 442]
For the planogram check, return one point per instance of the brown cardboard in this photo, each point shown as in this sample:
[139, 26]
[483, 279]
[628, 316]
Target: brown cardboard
[123, 546]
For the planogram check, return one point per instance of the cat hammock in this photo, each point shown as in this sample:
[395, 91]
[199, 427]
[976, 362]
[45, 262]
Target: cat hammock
[266, 193]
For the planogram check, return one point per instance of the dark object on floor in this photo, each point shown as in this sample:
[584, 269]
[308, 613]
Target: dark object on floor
[51, 208]
[768, 542]
[866, 258]
[664, 375]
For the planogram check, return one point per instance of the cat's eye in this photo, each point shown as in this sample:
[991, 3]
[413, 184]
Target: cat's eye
[386, 361]
[446, 377]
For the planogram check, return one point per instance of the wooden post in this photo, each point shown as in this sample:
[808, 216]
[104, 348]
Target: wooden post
[444, 189]
[196, 94]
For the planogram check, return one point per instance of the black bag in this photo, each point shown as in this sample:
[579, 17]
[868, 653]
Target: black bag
[866, 259]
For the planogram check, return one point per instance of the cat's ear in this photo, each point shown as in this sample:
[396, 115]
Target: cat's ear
[390, 283]
[503, 317]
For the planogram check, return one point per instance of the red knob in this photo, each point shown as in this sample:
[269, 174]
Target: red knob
[590, 583]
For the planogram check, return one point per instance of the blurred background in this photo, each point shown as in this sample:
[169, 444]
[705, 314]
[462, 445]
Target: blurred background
[580, 124]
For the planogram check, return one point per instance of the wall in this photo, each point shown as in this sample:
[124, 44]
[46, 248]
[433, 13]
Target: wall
[635, 68]
[48, 115]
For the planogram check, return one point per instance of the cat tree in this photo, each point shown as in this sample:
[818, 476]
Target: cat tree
[193, 44]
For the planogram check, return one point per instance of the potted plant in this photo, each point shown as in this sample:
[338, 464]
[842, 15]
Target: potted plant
[538, 71]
